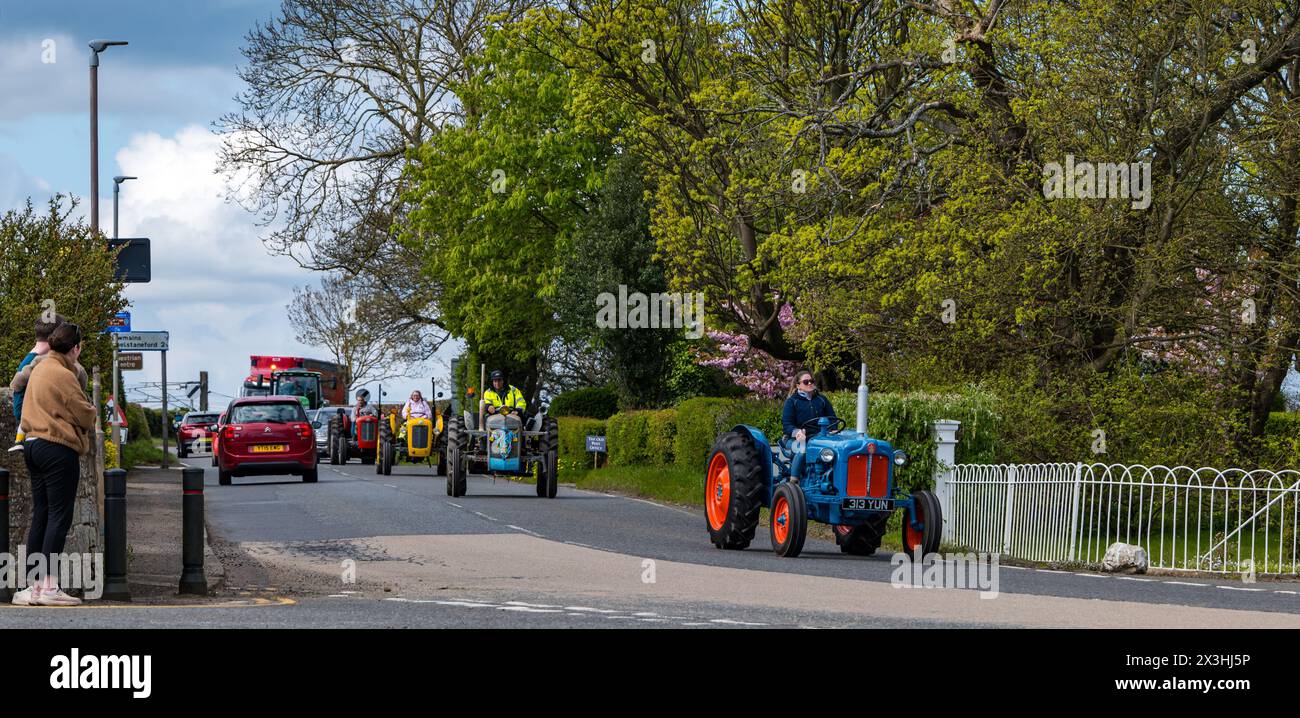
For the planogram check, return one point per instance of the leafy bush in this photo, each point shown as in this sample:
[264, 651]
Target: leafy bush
[137, 424]
[110, 455]
[642, 437]
[1279, 448]
[629, 435]
[661, 427]
[699, 421]
[573, 441]
[597, 402]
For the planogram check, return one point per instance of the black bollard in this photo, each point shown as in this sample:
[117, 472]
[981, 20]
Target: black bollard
[193, 580]
[6, 593]
[115, 587]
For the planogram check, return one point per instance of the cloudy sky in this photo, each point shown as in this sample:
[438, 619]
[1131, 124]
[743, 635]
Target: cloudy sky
[215, 288]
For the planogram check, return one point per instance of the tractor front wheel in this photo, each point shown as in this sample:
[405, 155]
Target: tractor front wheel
[928, 516]
[789, 526]
[457, 442]
[733, 487]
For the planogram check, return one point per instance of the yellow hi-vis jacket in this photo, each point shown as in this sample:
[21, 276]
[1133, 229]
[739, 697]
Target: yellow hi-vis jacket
[513, 398]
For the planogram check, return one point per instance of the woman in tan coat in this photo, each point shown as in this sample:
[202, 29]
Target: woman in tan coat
[58, 420]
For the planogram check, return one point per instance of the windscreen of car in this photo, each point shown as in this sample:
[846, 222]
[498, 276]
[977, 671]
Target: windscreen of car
[256, 390]
[200, 418]
[278, 413]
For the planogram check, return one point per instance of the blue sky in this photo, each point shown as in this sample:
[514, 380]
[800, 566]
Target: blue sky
[215, 288]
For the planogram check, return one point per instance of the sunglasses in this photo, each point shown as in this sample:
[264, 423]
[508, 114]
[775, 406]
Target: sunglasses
[809, 382]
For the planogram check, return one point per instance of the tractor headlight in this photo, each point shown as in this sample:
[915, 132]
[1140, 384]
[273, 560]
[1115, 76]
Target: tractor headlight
[900, 458]
[827, 456]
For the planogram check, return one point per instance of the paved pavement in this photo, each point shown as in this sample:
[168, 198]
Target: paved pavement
[358, 549]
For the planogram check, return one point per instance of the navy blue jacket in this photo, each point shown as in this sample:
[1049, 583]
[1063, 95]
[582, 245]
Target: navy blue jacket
[798, 410]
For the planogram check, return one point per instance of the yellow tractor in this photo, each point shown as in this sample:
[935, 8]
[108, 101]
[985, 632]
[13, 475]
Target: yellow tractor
[416, 440]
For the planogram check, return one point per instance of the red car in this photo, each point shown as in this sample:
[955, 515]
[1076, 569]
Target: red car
[194, 435]
[266, 435]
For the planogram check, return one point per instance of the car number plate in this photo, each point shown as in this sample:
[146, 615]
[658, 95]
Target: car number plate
[867, 504]
[269, 448]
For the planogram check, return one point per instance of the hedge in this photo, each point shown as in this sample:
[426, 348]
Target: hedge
[699, 421]
[643, 438]
[629, 438]
[597, 402]
[661, 427]
[573, 440]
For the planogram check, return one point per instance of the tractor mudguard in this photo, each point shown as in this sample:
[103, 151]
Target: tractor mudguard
[765, 451]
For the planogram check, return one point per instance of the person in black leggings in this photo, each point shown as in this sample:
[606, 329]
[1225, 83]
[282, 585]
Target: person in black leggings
[57, 419]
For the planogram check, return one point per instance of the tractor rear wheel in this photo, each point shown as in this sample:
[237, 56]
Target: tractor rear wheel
[864, 539]
[789, 521]
[385, 445]
[332, 443]
[733, 488]
[929, 514]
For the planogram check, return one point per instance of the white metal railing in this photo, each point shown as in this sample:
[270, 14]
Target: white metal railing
[1227, 521]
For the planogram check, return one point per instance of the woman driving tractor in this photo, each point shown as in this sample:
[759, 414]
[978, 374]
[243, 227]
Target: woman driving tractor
[416, 407]
[799, 416]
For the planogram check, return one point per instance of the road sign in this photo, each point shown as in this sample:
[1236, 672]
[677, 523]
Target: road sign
[121, 322]
[130, 361]
[596, 443]
[143, 341]
[133, 265]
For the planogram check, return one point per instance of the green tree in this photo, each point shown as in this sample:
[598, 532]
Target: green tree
[48, 260]
[613, 247]
[494, 203]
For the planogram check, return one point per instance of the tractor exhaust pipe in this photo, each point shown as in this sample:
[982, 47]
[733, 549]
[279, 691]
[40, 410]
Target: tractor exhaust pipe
[862, 402]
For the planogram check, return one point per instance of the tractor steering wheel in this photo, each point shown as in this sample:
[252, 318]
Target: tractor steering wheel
[835, 425]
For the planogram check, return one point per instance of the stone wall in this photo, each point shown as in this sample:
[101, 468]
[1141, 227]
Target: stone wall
[85, 535]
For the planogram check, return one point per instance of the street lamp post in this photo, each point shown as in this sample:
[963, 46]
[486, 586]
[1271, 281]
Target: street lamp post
[96, 47]
[116, 422]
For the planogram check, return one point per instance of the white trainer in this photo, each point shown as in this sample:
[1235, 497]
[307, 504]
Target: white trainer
[57, 598]
[25, 597]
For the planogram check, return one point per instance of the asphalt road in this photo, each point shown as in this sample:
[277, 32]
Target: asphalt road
[358, 549]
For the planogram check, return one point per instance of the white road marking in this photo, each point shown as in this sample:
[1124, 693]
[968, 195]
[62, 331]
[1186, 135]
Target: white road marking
[1048, 570]
[1185, 583]
[456, 505]
[730, 622]
[529, 609]
[390, 486]
[583, 545]
[1293, 593]
[1241, 588]
[521, 528]
[530, 605]
[589, 609]
[1134, 578]
[480, 513]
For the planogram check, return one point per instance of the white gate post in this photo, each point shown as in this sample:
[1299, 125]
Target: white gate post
[945, 454]
[1074, 511]
[1011, 500]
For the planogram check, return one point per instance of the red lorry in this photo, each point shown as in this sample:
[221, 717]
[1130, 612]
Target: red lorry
[334, 388]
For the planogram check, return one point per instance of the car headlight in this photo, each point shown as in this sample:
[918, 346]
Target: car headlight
[827, 456]
[900, 458]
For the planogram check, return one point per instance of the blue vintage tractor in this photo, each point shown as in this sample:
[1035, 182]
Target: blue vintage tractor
[848, 481]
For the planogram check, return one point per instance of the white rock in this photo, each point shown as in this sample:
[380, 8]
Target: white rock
[1125, 558]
